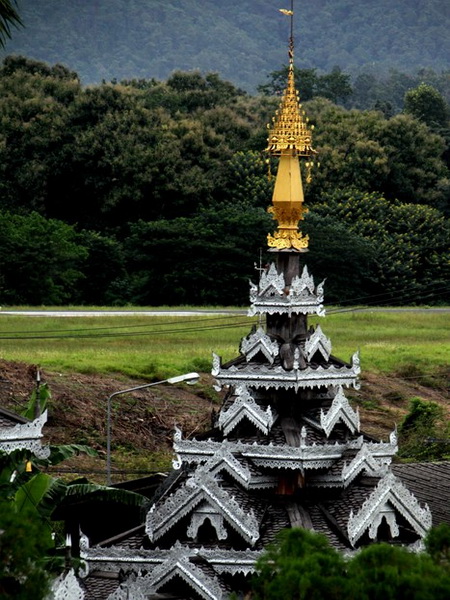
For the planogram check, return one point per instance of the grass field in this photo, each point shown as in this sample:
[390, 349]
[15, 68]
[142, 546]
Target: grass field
[159, 347]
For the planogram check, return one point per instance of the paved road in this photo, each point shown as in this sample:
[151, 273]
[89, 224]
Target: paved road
[190, 313]
[120, 313]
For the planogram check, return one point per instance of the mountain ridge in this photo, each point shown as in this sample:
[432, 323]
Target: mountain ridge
[243, 42]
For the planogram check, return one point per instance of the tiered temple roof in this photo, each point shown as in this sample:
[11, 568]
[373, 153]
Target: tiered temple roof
[286, 449]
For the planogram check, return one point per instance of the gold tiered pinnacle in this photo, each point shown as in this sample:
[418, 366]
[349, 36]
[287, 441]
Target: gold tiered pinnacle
[290, 133]
[289, 138]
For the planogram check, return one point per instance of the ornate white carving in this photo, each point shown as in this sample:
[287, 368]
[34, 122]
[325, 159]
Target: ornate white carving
[179, 564]
[224, 459]
[271, 283]
[318, 342]
[201, 487]
[244, 406]
[272, 296]
[259, 341]
[274, 456]
[66, 587]
[25, 436]
[270, 377]
[200, 515]
[126, 591]
[365, 462]
[231, 561]
[282, 456]
[390, 492]
[388, 513]
[216, 364]
[114, 559]
[340, 410]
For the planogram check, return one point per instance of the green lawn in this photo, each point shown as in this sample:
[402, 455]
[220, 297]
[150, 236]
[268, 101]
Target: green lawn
[158, 347]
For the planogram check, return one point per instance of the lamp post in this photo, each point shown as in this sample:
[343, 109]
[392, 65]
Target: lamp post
[189, 378]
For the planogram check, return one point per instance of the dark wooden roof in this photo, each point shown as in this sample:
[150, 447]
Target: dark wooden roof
[430, 483]
[10, 419]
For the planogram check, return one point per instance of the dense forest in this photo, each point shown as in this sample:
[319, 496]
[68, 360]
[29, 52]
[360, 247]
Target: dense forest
[241, 41]
[155, 192]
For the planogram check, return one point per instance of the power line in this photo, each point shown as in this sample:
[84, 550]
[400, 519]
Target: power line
[78, 333]
[113, 327]
[126, 334]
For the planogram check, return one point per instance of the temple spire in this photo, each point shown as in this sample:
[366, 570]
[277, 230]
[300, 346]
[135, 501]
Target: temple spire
[289, 138]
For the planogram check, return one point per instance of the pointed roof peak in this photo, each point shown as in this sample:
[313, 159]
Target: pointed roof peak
[290, 133]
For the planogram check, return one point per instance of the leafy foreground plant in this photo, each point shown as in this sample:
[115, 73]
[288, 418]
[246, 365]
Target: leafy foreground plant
[301, 565]
[28, 501]
[31, 544]
[23, 545]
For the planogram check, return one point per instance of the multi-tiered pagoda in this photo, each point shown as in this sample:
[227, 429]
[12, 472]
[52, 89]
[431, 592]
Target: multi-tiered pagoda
[286, 449]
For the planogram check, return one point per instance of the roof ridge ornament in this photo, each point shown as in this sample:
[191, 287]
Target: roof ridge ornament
[272, 295]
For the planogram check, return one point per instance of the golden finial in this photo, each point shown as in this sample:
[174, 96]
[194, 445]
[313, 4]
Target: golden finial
[289, 138]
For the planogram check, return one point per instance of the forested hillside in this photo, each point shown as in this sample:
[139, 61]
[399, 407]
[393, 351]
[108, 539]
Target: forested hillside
[242, 41]
[156, 192]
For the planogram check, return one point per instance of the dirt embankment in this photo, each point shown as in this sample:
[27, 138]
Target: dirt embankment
[143, 422]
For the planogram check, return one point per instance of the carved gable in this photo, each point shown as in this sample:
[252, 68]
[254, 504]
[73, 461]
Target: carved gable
[177, 565]
[201, 488]
[339, 411]
[390, 496]
[259, 342]
[272, 296]
[245, 407]
[318, 342]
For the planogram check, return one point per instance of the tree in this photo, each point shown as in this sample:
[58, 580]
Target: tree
[41, 260]
[8, 17]
[398, 157]
[437, 544]
[385, 572]
[410, 242]
[305, 81]
[337, 253]
[302, 565]
[22, 551]
[426, 104]
[335, 85]
[204, 259]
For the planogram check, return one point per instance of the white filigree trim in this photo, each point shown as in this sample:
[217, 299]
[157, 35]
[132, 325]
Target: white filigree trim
[179, 564]
[25, 436]
[66, 587]
[200, 516]
[365, 462]
[201, 487]
[259, 342]
[390, 492]
[263, 376]
[340, 410]
[130, 590]
[115, 559]
[244, 406]
[318, 342]
[271, 283]
[272, 296]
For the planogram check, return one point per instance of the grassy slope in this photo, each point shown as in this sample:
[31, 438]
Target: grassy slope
[158, 347]
[403, 355]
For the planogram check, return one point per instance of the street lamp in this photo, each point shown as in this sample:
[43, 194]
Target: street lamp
[189, 378]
